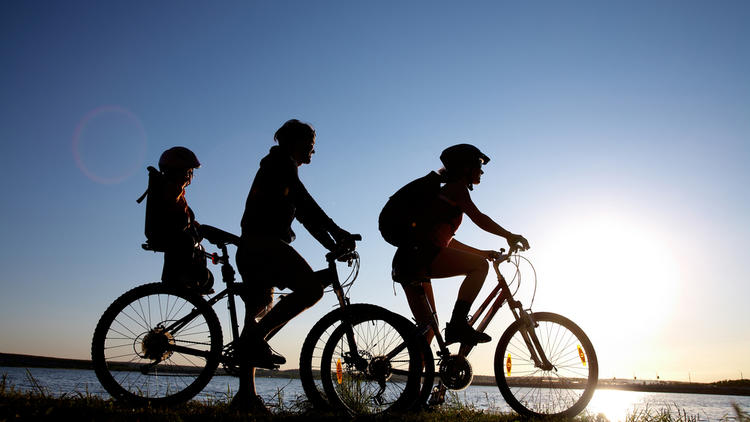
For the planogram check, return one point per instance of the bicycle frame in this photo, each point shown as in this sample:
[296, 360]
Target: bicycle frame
[327, 276]
[499, 295]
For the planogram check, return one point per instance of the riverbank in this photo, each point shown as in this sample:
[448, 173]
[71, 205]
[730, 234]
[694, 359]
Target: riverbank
[729, 388]
[38, 405]
[54, 394]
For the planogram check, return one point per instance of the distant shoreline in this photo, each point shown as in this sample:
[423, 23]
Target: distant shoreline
[30, 361]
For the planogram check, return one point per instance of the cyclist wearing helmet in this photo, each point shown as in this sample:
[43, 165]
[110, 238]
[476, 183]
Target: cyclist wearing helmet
[437, 254]
[265, 258]
[172, 226]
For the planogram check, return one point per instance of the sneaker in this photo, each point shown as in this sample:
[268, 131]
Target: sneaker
[462, 332]
[261, 355]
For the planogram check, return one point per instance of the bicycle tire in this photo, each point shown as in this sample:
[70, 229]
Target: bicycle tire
[356, 387]
[531, 391]
[134, 356]
[428, 376]
[312, 351]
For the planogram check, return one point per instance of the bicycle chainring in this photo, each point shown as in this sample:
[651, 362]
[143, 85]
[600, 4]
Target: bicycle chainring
[456, 372]
[230, 360]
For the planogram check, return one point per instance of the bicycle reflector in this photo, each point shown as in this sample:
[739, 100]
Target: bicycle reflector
[339, 372]
[581, 355]
[508, 364]
[214, 258]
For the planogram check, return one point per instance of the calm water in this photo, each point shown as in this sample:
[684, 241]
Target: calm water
[613, 404]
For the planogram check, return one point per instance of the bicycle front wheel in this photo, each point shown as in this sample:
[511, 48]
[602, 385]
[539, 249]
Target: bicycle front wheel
[312, 351]
[372, 364]
[563, 388]
[156, 345]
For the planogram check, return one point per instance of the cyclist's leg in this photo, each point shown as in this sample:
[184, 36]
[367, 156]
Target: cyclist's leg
[452, 262]
[257, 297]
[293, 272]
[416, 294]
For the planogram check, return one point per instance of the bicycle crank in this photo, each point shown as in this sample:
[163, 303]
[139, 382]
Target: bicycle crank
[230, 360]
[455, 372]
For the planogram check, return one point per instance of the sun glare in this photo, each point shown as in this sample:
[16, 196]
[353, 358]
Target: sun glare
[621, 281]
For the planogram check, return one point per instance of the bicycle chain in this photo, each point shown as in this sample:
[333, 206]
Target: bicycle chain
[192, 342]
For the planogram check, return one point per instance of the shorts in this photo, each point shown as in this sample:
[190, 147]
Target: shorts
[267, 262]
[411, 264]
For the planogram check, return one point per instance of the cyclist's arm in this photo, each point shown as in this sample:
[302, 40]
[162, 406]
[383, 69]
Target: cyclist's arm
[461, 197]
[463, 200]
[314, 218]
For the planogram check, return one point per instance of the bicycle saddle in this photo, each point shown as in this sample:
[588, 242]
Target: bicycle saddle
[149, 247]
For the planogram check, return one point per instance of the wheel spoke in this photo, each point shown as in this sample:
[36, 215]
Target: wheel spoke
[128, 340]
[532, 391]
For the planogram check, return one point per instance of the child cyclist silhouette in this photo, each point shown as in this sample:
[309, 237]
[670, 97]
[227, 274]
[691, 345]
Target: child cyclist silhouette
[170, 223]
[431, 251]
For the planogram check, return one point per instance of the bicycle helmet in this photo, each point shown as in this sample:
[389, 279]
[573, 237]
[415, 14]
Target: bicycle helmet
[462, 156]
[178, 158]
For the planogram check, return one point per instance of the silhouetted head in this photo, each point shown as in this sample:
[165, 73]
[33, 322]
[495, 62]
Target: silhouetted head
[177, 164]
[297, 139]
[463, 161]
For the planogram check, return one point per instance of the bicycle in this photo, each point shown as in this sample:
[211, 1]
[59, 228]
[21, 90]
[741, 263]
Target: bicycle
[160, 345]
[544, 363]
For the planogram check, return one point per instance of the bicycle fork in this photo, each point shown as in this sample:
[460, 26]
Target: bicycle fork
[375, 369]
[527, 327]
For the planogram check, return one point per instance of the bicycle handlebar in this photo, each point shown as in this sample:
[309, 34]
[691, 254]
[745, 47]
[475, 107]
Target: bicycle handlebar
[505, 256]
[344, 249]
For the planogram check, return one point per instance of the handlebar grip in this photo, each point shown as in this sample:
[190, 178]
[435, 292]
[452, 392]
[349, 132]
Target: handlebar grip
[357, 237]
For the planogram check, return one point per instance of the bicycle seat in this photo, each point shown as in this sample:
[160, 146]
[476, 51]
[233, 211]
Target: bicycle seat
[218, 236]
[149, 247]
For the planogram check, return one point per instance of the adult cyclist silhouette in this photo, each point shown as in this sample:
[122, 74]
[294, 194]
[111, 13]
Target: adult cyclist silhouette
[435, 253]
[265, 258]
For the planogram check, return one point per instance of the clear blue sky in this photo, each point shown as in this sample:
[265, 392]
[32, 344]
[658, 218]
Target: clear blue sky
[618, 133]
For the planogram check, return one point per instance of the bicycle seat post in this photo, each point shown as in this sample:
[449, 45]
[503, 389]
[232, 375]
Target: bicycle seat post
[227, 275]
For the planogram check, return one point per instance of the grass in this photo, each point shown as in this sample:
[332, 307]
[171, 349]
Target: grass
[38, 404]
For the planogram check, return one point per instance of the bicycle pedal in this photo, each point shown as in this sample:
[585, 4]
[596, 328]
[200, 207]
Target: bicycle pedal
[437, 397]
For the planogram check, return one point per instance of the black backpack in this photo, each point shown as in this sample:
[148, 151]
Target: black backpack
[406, 214]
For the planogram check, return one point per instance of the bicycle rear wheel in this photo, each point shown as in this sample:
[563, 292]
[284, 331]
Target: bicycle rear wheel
[384, 372]
[156, 345]
[563, 390]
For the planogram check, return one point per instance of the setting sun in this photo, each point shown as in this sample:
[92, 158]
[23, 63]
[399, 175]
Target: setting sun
[623, 280]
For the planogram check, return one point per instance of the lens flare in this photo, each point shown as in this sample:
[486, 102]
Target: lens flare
[109, 144]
